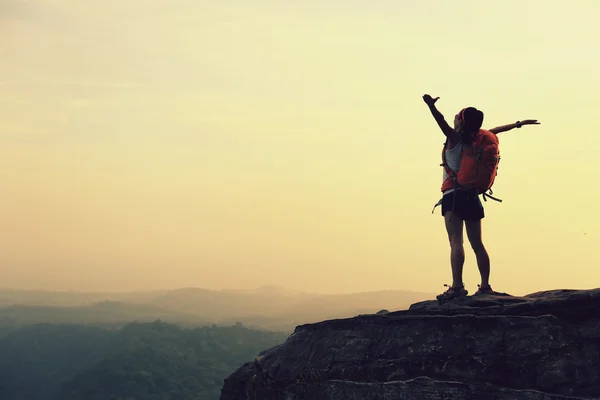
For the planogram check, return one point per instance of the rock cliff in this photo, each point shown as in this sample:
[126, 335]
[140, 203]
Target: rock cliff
[545, 345]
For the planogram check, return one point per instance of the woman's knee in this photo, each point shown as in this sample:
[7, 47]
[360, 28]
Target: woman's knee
[455, 240]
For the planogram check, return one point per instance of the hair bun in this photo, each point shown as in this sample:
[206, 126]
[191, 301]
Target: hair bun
[473, 118]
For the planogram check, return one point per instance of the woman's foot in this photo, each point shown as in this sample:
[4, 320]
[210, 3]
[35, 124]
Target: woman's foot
[453, 292]
[487, 289]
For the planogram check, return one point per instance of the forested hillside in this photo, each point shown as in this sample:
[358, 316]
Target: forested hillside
[141, 360]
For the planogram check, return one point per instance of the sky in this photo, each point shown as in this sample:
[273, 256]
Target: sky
[233, 144]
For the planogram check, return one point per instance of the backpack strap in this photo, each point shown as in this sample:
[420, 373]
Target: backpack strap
[451, 175]
[449, 171]
[486, 195]
[439, 203]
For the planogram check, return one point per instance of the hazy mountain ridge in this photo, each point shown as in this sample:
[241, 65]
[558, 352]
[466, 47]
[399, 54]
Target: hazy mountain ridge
[10, 297]
[104, 313]
[267, 307]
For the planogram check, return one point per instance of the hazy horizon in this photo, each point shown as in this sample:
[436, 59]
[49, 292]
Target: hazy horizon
[232, 289]
[227, 145]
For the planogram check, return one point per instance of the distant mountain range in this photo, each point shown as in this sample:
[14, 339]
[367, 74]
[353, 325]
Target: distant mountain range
[267, 307]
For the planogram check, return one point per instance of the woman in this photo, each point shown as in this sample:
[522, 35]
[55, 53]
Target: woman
[463, 207]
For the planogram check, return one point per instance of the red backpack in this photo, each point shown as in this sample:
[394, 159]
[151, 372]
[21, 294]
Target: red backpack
[478, 165]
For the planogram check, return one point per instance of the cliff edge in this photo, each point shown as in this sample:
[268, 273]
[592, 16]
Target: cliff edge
[545, 345]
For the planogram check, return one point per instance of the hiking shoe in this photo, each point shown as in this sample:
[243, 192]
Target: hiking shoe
[483, 290]
[453, 293]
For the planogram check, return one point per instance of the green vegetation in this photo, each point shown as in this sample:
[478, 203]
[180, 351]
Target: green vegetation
[71, 345]
[140, 361]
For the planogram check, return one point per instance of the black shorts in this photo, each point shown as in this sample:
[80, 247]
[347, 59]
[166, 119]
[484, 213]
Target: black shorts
[464, 204]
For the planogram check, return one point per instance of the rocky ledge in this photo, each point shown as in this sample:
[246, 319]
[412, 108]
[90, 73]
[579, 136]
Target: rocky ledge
[545, 345]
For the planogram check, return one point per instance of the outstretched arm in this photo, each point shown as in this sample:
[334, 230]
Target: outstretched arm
[518, 124]
[439, 118]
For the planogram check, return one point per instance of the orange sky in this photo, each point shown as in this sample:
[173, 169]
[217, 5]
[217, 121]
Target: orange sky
[224, 144]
